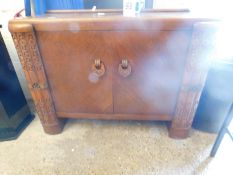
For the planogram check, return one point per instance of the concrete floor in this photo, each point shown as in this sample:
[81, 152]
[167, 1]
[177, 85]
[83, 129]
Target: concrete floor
[112, 147]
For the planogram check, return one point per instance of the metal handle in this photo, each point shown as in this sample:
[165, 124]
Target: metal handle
[97, 63]
[124, 64]
[124, 68]
[98, 67]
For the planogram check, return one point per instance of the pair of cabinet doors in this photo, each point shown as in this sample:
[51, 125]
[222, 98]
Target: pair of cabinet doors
[156, 58]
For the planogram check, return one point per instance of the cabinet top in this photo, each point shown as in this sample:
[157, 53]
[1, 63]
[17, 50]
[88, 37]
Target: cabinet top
[80, 15]
[168, 19]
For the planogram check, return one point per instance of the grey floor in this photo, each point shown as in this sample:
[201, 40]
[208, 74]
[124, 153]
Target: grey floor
[112, 147]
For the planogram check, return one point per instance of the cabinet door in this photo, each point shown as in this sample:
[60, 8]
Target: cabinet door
[69, 62]
[157, 61]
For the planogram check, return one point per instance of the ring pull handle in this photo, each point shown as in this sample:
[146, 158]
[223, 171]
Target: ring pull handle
[124, 68]
[98, 67]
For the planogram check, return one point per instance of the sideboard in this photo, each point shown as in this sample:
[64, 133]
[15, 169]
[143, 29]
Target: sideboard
[103, 65]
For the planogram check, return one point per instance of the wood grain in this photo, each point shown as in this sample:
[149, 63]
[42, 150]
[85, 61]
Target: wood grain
[168, 56]
[157, 65]
[29, 55]
[115, 116]
[74, 85]
[200, 53]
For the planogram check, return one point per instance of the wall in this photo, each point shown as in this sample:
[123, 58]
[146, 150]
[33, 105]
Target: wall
[8, 8]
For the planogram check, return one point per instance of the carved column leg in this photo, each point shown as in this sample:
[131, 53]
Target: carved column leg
[27, 49]
[185, 111]
[200, 53]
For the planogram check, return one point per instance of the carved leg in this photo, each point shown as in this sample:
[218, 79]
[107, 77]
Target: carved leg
[49, 120]
[185, 111]
[25, 42]
[178, 133]
[201, 51]
[54, 129]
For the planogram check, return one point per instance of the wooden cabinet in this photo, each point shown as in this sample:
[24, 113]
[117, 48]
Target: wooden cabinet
[150, 67]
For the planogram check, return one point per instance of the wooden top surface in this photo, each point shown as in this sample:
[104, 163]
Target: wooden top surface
[80, 15]
[166, 19]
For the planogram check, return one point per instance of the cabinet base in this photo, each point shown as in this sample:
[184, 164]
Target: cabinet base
[178, 133]
[54, 128]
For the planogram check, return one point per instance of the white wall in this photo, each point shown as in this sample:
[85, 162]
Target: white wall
[8, 8]
[11, 4]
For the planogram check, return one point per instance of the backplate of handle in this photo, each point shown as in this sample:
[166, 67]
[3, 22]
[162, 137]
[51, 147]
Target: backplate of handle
[124, 68]
[98, 67]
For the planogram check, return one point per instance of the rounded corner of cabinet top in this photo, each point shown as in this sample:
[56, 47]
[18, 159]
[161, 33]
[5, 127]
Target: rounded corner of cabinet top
[15, 27]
